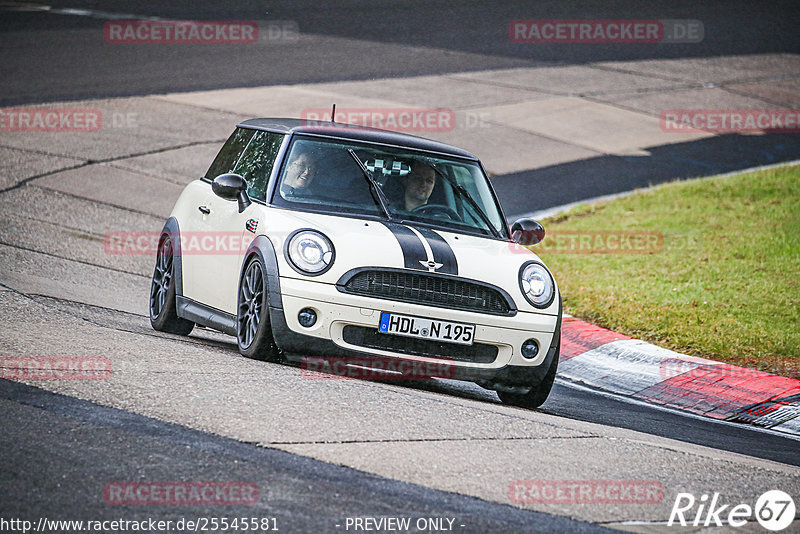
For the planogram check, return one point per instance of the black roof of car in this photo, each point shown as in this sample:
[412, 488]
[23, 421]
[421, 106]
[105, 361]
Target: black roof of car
[350, 131]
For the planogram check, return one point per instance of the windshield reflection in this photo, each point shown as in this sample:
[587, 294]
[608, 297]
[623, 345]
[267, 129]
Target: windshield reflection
[359, 178]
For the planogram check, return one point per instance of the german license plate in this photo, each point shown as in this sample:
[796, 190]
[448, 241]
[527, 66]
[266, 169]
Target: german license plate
[403, 325]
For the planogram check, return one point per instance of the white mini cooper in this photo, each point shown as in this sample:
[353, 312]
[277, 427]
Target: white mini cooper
[356, 243]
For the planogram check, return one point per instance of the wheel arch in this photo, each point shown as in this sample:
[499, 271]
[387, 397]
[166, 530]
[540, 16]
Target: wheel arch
[173, 229]
[263, 249]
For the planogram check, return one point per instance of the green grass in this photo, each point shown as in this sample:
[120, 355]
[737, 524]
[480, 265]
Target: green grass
[725, 284]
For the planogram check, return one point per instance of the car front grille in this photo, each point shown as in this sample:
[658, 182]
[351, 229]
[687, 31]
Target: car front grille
[370, 338]
[428, 289]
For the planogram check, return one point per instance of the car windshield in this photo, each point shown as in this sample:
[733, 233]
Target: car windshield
[361, 178]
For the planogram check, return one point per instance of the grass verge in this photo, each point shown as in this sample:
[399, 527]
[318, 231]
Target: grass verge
[709, 267]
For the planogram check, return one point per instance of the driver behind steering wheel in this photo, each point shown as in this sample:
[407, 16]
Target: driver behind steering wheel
[418, 185]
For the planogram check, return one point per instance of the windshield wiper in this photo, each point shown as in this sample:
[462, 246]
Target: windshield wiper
[374, 188]
[465, 194]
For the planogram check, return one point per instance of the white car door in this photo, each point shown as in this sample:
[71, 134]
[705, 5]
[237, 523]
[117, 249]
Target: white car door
[222, 235]
[214, 251]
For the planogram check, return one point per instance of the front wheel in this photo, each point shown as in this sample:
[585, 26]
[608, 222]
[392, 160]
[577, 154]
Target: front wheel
[537, 395]
[163, 315]
[253, 331]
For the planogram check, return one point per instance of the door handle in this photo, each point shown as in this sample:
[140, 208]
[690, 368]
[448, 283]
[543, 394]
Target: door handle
[204, 210]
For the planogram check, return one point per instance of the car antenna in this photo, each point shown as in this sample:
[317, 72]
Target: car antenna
[333, 113]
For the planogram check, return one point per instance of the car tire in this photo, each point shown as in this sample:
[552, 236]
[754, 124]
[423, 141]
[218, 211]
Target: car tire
[253, 329]
[537, 395]
[163, 313]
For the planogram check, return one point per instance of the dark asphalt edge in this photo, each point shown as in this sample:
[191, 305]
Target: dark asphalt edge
[463, 505]
[522, 193]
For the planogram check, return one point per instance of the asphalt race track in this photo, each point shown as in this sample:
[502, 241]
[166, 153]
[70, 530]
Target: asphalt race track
[308, 495]
[323, 452]
[352, 40]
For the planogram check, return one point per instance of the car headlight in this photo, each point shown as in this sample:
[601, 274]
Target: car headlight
[536, 283]
[310, 252]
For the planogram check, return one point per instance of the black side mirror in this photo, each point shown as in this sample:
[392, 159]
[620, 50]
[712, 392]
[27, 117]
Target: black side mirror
[232, 187]
[527, 232]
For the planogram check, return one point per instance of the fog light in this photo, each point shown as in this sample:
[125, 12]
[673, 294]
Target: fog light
[530, 349]
[307, 317]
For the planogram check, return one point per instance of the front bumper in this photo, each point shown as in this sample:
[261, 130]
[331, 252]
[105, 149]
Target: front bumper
[347, 328]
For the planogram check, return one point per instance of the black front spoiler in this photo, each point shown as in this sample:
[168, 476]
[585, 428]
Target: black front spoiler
[520, 379]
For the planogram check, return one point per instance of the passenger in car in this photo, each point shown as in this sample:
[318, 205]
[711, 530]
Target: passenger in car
[299, 176]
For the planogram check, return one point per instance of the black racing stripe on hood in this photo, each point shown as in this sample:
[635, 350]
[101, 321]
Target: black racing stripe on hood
[413, 251]
[442, 252]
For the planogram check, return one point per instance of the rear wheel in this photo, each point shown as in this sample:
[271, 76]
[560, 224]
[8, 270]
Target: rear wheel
[537, 395]
[163, 314]
[253, 331]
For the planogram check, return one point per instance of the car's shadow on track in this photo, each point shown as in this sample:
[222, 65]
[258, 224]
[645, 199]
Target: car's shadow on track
[214, 339]
[454, 388]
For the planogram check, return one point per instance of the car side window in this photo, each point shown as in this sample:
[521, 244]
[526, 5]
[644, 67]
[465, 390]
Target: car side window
[230, 153]
[255, 165]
